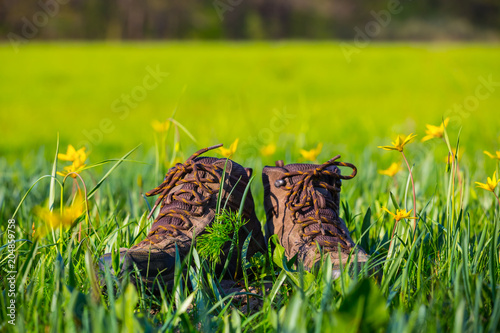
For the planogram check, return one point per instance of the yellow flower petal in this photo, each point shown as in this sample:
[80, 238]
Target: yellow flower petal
[268, 150]
[427, 137]
[483, 186]
[449, 157]
[388, 211]
[227, 152]
[490, 155]
[400, 214]
[399, 143]
[392, 170]
[55, 219]
[312, 155]
[435, 131]
[72, 154]
[160, 126]
[388, 147]
[76, 167]
[491, 183]
[408, 139]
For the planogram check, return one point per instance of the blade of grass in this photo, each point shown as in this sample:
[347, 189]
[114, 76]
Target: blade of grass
[92, 192]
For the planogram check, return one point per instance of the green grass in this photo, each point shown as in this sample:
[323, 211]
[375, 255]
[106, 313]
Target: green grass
[447, 279]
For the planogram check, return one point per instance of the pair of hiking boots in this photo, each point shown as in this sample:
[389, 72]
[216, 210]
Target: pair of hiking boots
[301, 203]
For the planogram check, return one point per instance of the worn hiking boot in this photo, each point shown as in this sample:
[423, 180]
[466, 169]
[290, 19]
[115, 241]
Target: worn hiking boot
[188, 198]
[302, 207]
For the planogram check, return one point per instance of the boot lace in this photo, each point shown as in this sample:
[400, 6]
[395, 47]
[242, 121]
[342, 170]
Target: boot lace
[302, 194]
[176, 176]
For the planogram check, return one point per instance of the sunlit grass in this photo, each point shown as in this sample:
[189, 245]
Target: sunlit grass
[444, 275]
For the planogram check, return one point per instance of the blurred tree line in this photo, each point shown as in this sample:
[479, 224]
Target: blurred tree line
[247, 19]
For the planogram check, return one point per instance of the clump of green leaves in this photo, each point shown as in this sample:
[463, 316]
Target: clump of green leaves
[224, 228]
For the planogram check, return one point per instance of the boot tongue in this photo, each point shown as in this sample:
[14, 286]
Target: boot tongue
[206, 160]
[300, 167]
[306, 167]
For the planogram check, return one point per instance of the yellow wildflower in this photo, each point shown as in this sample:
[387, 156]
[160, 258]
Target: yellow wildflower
[139, 181]
[392, 170]
[227, 152]
[312, 155]
[450, 157]
[72, 154]
[490, 155]
[435, 131]
[400, 214]
[268, 150]
[160, 126]
[399, 143]
[64, 219]
[491, 183]
[75, 167]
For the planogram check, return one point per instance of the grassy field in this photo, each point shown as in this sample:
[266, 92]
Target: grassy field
[443, 277]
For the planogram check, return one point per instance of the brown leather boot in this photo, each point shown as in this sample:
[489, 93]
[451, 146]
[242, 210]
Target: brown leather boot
[302, 208]
[188, 198]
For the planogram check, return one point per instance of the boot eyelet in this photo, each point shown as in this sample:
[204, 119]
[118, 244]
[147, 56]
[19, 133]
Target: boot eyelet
[279, 183]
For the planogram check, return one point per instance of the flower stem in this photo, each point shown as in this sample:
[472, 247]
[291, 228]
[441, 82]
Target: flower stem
[414, 198]
[497, 199]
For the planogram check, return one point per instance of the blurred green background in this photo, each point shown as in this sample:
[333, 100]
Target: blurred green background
[224, 91]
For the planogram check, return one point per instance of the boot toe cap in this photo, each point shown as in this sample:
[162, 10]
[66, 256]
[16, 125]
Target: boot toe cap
[150, 265]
